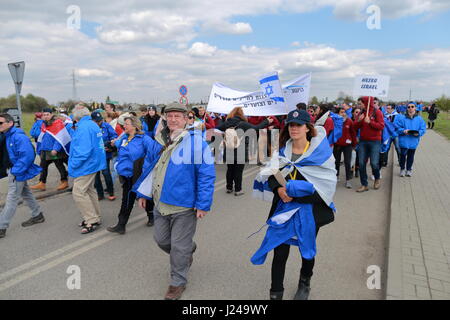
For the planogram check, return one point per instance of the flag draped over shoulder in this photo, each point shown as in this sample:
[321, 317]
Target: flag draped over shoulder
[293, 222]
[59, 132]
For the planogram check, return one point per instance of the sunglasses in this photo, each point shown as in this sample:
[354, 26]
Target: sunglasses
[410, 107]
[191, 117]
[2, 123]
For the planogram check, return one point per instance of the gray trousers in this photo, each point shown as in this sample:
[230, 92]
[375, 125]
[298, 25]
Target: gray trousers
[174, 234]
[16, 190]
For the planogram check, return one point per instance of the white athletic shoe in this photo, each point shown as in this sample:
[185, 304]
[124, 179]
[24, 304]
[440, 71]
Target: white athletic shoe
[409, 173]
[348, 185]
[402, 173]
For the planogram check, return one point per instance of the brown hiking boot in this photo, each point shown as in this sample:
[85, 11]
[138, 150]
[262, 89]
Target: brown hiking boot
[376, 184]
[63, 185]
[362, 189]
[39, 186]
[174, 293]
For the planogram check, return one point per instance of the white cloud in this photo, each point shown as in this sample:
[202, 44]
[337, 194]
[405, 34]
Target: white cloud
[93, 73]
[126, 64]
[201, 49]
[250, 50]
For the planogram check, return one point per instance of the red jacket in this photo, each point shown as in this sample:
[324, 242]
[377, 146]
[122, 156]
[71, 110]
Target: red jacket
[255, 120]
[371, 131]
[328, 125]
[348, 134]
[209, 123]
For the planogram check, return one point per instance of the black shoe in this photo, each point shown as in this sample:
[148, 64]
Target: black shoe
[276, 295]
[303, 288]
[150, 222]
[117, 229]
[38, 219]
[2, 233]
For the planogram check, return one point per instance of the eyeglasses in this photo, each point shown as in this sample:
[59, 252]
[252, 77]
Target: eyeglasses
[410, 107]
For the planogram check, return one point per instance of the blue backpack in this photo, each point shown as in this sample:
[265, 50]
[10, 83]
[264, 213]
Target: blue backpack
[338, 122]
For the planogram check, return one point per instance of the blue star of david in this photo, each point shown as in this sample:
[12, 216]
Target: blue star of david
[269, 90]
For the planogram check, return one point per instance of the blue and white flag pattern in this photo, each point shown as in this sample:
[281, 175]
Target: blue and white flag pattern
[293, 222]
[271, 86]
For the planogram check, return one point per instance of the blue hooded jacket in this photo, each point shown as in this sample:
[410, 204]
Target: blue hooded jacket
[402, 123]
[21, 154]
[108, 134]
[87, 151]
[190, 175]
[36, 129]
[127, 154]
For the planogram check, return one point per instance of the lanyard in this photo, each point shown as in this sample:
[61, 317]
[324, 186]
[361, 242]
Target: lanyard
[127, 142]
[293, 177]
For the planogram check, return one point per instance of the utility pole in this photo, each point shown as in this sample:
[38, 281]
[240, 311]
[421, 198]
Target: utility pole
[74, 87]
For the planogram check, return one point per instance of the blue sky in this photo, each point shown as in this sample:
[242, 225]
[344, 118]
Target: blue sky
[146, 50]
[322, 27]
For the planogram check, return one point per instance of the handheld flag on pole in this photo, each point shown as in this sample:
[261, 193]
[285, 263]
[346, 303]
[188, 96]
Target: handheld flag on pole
[271, 86]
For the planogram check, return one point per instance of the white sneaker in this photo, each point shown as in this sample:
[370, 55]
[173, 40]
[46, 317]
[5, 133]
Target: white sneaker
[402, 173]
[372, 177]
[409, 173]
[348, 185]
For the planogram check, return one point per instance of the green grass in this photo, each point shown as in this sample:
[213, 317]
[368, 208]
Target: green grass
[441, 124]
[28, 121]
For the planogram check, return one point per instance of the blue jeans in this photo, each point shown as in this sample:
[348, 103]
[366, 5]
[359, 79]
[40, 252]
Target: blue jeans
[16, 190]
[407, 157]
[366, 150]
[108, 181]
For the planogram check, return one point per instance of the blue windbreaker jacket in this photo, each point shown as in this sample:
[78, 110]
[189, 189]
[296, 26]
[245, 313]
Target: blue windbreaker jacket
[127, 154]
[87, 151]
[190, 175]
[403, 123]
[21, 154]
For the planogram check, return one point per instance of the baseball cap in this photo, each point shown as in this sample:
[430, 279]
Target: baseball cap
[299, 117]
[121, 119]
[175, 107]
[96, 116]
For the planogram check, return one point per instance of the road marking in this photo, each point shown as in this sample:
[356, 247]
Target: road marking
[12, 282]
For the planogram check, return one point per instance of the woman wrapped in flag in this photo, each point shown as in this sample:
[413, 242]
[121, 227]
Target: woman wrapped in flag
[300, 181]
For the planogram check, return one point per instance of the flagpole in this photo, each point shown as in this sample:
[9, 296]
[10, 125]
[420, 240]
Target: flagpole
[368, 106]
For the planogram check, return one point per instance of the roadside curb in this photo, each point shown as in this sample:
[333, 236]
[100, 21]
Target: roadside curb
[41, 196]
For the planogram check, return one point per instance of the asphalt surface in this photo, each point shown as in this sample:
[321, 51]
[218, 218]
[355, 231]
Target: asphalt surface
[34, 261]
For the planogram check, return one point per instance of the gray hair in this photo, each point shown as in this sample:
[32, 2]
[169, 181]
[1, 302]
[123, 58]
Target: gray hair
[80, 113]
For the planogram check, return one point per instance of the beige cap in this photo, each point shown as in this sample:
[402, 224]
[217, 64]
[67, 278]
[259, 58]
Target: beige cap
[175, 107]
[121, 119]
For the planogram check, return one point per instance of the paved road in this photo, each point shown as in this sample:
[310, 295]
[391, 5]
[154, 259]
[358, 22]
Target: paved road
[34, 261]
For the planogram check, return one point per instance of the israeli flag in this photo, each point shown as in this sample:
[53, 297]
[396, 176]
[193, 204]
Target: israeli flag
[271, 86]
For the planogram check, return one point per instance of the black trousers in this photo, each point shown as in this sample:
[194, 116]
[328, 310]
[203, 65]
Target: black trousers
[234, 175]
[347, 150]
[59, 163]
[128, 199]
[280, 256]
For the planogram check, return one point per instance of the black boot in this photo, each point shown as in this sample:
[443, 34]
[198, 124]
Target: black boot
[117, 229]
[276, 295]
[303, 288]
